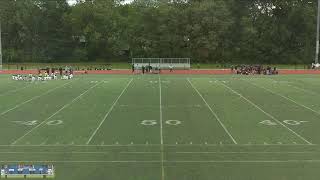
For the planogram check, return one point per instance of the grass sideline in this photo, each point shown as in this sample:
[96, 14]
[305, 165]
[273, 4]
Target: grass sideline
[117, 65]
[165, 127]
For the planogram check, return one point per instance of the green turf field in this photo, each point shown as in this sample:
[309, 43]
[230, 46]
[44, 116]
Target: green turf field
[161, 127]
[127, 65]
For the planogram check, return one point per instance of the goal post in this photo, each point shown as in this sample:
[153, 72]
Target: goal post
[163, 63]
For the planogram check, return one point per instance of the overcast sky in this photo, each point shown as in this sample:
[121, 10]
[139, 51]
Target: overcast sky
[74, 1]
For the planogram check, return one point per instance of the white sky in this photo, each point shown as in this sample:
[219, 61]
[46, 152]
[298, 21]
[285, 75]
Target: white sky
[71, 2]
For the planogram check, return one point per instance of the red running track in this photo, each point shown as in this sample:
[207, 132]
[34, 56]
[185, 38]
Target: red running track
[208, 72]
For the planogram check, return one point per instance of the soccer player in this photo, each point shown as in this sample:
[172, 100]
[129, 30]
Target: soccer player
[132, 67]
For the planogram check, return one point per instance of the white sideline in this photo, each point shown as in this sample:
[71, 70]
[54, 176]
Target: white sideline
[215, 115]
[208, 161]
[65, 106]
[195, 152]
[285, 97]
[149, 145]
[35, 97]
[107, 114]
[272, 117]
[252, 152]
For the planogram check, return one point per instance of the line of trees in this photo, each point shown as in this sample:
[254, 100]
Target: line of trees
[213, 31]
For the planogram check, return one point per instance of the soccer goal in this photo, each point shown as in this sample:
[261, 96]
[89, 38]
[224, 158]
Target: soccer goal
[162, 63]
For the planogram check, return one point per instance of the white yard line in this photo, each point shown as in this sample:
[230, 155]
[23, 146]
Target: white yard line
[128, 152]
[214, 114]
[285, 97]
[269, 115]
[150, 145]
[65, 106]
[107, 114]
[48, 152]
[161, 131]
[248, 152]
[207, 161]
[35, 97]
[124, 152]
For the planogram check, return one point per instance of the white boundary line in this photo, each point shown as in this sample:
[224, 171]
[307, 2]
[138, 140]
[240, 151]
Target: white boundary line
[107, 114]
[208, 161]
[215, 115]
[159, 152]
[35, 97]
[64, 152]
[285, 97]
[132, 152]
[65, 106]
[150, 145]
[161, 130]
[253, 152]
[272, 117]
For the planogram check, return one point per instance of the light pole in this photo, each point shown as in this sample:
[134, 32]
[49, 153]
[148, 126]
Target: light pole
[318, 26]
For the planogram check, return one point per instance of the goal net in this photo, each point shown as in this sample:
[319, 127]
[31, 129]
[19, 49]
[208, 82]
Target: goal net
[162, 63]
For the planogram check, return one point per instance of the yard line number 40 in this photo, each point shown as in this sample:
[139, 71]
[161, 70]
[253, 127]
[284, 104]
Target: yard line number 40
[155, 122]
[288, 122]
[35, 122]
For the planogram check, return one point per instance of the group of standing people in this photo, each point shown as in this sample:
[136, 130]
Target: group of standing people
[254, 69]
[148, 68]
[144, 68]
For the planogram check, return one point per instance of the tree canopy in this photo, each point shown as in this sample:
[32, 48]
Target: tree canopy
[233, 31]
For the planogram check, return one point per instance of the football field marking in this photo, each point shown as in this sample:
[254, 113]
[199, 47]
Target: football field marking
[304, 90]
[271, 116]
[285, 97]
[208, 161]
[63, 107]
[213, 113]
[158, 152]
[161, 131]
[146, 145]
[35, 97]
[298, 88]
[15, 90]
[109, 111]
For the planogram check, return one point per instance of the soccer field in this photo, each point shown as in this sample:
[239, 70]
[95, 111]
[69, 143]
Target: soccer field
[164, 127]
